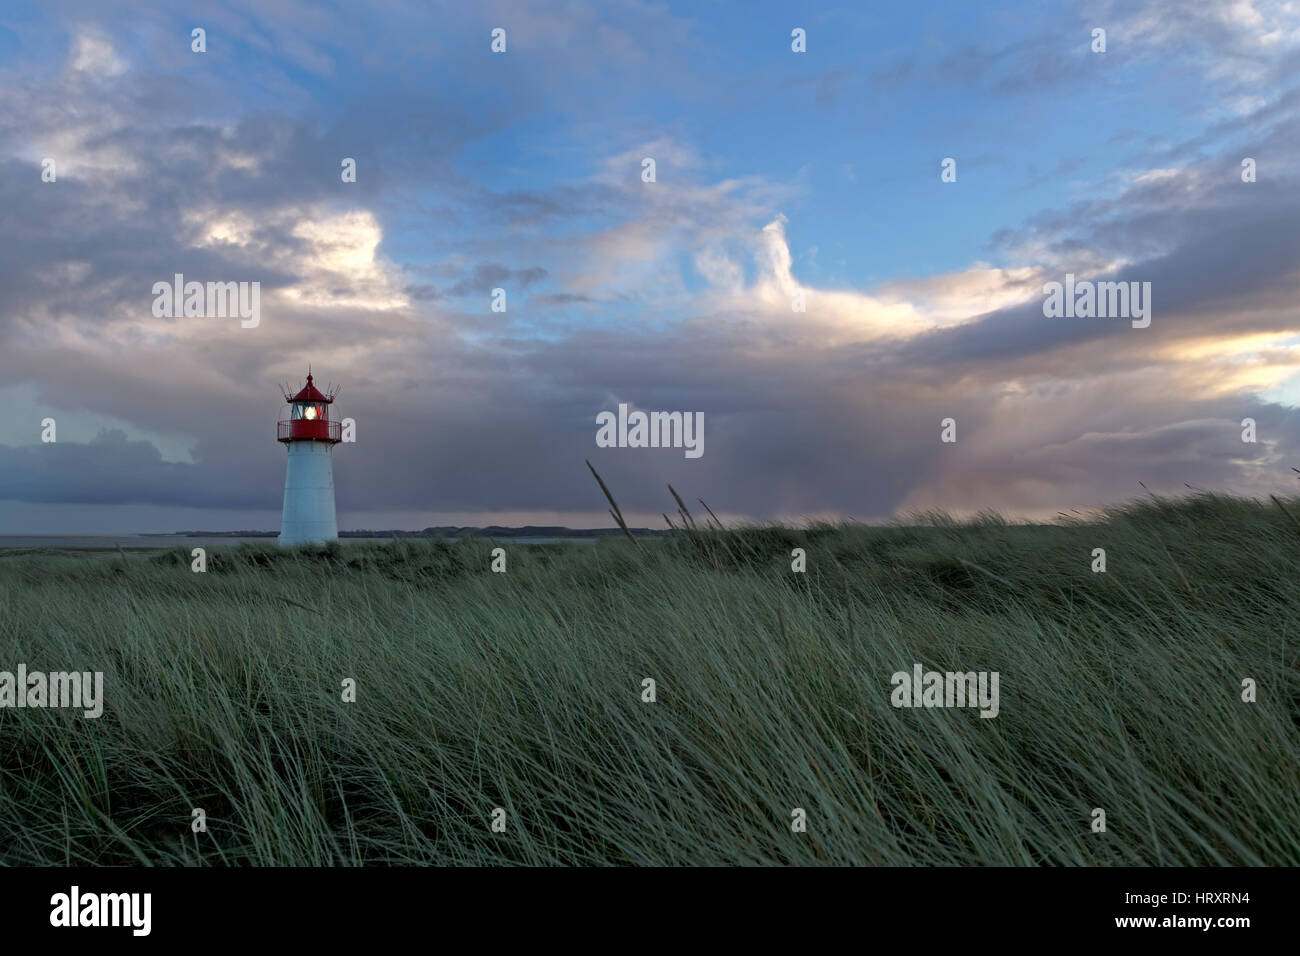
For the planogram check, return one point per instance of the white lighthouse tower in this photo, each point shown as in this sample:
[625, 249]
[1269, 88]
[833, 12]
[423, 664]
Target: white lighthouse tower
[310, 436]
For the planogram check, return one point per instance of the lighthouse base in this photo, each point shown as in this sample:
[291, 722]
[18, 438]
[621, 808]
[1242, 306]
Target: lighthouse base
[308, 516]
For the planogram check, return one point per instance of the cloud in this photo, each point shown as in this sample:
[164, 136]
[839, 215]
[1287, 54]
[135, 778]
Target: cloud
[92, 52]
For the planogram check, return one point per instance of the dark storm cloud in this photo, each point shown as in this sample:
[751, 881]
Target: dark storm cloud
[490, 275]
[559, 298]
[113, 470]
[524, 208]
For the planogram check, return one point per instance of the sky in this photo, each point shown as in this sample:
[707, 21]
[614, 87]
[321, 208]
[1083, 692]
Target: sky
[781, 177]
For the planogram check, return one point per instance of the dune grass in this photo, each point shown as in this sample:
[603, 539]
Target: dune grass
[523, 690]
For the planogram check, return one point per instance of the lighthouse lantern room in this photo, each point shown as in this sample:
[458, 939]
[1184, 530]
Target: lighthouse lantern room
[309, 435]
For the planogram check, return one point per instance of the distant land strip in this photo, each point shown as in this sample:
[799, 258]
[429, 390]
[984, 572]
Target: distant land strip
[492, 531]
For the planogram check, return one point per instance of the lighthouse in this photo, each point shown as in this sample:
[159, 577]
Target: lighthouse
[310, 435]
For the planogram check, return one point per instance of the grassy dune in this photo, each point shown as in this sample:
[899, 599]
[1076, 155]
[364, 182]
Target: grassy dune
[522, 690]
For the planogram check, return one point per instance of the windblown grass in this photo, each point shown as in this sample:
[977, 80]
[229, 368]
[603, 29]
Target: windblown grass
[523, 690]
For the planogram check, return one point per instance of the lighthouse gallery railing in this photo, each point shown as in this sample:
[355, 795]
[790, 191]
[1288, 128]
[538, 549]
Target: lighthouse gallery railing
[303, 428]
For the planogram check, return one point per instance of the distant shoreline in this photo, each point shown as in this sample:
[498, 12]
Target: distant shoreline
[491, 531]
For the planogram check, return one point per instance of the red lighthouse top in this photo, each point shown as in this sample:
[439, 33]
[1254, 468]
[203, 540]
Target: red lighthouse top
[309, 419]
[310, 393]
